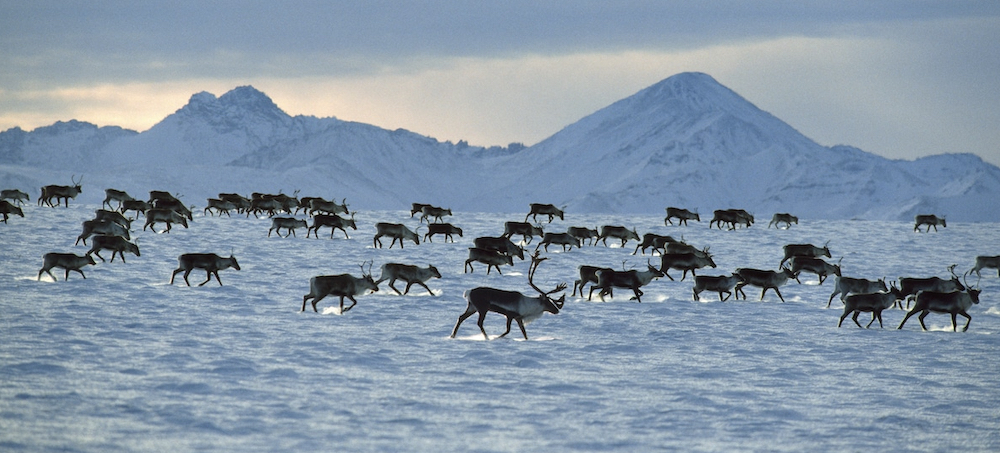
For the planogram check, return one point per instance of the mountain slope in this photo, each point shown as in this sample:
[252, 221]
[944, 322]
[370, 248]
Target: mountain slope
[686, 141]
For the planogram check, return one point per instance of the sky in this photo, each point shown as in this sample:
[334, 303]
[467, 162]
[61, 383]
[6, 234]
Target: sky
[902, 79]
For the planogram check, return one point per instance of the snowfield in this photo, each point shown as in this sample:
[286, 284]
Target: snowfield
[123, 361]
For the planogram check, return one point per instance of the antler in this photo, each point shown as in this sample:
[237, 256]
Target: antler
[362, 265]
[952, 270]
[535, 261]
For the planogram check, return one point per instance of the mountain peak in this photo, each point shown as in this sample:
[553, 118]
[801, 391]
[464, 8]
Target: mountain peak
[249, 98]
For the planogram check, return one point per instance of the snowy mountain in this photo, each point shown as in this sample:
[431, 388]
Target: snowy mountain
[687, 141]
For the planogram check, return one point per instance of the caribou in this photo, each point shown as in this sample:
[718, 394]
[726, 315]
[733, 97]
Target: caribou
[525, 229]
[814, 265]
[911, 286]
[115, 195]
[563, 239]
[66, 261]
[417, 207]
[161, 195]
[7, 209]
[408, 273]
[117, 245]
[447, 229]
[113, 216]
[688, 261]
[930, 220]
[174, 205]
[290, 224]
[429, 212]
[804, 250]
[850, 285]
[161, 215]
[512, 304]
[105, 227]
[765, 279]
[322, 206]
[657, 241]
[731, 217]
[721, 284]
[16, 196]
[491, 258]
[397, 231]
[60, 193]
[138, 206]
[499, 244]
[785, 218]
[986, 262]
[951, 302]
[619, 232]
[220, 206]
[588, 274]
[632, 279]
[210, 262]
[583, 234]
[341, 285]
[682, 216]
[333, 221]
[544, 209]
[242, 203]
[870, 302]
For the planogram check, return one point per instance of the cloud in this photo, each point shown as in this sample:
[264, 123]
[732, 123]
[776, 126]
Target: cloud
[901, 78]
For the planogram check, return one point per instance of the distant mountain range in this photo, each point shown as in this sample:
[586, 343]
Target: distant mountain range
[686, 141]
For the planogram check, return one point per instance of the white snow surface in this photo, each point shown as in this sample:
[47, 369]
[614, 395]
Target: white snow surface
[123, 361]
[686, 141]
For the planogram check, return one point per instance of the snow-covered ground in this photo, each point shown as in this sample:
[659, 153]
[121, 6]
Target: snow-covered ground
[124, 361]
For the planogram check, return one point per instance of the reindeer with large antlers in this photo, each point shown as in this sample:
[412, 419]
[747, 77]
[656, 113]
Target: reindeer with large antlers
[512, 304]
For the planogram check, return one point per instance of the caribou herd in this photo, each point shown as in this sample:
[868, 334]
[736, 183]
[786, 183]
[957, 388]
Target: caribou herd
[111, 227]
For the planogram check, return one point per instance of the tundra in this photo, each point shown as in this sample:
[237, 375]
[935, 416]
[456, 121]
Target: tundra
[210, 262]
[408, 273]
[66, 261]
